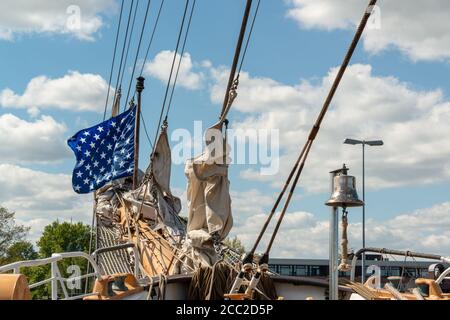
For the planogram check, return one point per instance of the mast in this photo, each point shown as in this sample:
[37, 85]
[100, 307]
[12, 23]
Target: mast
[237, 54]
[139, 89]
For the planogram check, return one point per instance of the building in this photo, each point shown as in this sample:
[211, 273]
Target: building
[408, 270]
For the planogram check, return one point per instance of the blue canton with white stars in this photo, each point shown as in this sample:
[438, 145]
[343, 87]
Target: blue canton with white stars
[104, 152]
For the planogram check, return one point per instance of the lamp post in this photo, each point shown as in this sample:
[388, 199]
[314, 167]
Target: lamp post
[371, 143]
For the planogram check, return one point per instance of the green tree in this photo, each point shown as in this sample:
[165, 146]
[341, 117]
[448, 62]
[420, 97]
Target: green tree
[61, 237]
[64, 237]
[20, 251]
[235, 244]
[10, 231]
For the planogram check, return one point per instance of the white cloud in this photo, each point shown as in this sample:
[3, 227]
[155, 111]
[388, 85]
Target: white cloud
[80, 18]
[243, 203]
[251, 174]
[40, 141]
[422, 230]
[248, 202]
[413, 124]
[74, 91]
[253, 92]
[39, 198]
[160, 66]
[418, 29]
[302, 235]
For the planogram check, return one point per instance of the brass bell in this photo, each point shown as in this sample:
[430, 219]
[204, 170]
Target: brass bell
[344, 193]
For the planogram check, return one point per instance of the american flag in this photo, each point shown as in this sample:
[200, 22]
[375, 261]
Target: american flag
[104, 152]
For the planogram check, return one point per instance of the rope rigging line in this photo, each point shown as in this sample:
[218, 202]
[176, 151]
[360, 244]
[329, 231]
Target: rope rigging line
[149, 46]
[171, 73]
[146, 132]
[142, 69]
[249, 37]
[113, 60]
[181, 59]
[291, 192]
[124, 45]
[313, 133]
[151, 38]
[236, 81]
[237, 54]
[129, 42]
[138, 50]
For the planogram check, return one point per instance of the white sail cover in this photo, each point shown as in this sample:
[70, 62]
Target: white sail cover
[169, 206]
[209, 202]
[159, 203]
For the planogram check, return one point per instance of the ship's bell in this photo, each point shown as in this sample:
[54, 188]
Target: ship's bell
[344, 193]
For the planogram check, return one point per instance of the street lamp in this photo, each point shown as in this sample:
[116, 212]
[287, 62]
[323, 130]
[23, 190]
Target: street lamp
[363, 143]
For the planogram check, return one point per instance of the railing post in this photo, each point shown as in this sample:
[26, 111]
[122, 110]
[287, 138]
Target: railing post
[54, 276]
[137, 263]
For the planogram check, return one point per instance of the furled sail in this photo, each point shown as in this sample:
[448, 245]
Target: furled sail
[147, 216]
[154, 195]
[116, 103]
[209, 203]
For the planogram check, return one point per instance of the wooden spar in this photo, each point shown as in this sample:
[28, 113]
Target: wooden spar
[298, 167]
[236, 57]
[312, 135]
[139, 89]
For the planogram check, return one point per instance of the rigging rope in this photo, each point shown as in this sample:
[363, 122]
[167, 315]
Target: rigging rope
[181, 59]
[315, 129]
[171, 73]
[212, 283]
[142, 69]
[113, 60]
[124, 45]
[151, 38]
[129, 44]
[146, 132]
[291, 192]
[138, 50]
[232, 93]
[249, 37]
[237, 54]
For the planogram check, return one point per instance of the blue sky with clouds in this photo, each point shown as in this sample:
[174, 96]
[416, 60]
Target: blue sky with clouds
[53, 83]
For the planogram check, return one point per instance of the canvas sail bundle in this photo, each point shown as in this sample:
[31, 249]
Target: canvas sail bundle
[209, 203]
[154, 199]
[147, 216]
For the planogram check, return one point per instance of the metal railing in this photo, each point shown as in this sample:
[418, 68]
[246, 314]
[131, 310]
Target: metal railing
[97, 252]
[55, 274]
[443, 276]
[396, 253]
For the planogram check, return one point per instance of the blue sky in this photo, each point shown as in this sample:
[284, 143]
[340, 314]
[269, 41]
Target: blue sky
[397, 85]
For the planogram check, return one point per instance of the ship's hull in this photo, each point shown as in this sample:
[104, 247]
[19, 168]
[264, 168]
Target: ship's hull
[176, 287]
